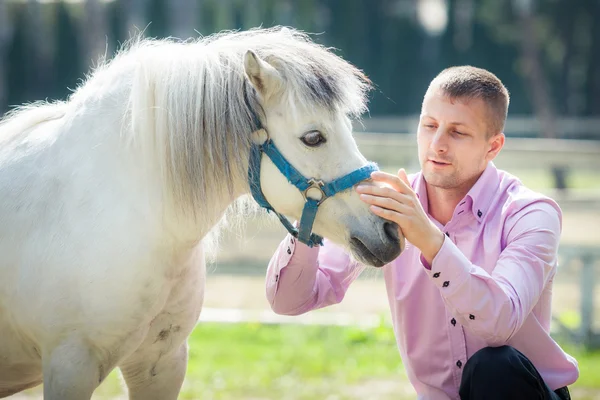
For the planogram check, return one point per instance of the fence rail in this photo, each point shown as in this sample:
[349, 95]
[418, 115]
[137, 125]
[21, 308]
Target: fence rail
[516, 126]
[588, 259]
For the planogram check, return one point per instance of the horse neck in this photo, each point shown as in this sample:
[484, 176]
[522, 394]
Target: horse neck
[186, 218]
[227, 203]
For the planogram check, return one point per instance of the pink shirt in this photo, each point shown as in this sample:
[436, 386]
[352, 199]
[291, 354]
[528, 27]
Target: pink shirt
[489, 285]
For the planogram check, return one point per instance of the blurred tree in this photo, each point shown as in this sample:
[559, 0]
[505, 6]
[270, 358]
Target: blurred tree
[156, 18]
[536, 77]
[40, 53]
[566, 38]
[305, 15]
[206, 17]
[69, 65]
[532, 67]
[116, 20]
[592, 86]
[19, 67]
[182, 18]
[400, 58]
[224, 18]
[385, 38]
[283, 11]
[252, 11]
[6, 28]
[135, 14]
[93, 31]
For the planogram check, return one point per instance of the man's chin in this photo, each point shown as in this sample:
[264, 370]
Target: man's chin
[440, 180]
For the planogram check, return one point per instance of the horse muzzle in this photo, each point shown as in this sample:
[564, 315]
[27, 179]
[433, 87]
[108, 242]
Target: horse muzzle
[378, 250]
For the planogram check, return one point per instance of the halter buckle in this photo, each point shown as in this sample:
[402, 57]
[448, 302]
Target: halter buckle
[315, 184]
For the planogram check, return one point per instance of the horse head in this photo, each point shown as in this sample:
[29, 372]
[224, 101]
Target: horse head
[305, 161]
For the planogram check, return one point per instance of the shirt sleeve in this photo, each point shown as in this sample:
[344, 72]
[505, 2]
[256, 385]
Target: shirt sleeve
[300, 278]
[495, 306]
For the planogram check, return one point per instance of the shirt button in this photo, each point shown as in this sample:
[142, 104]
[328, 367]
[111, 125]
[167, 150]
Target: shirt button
[459, 363]
[446, 284]
[292, 240]
[436, 275]
[453, 322]
[479, 213]
[289, 251]
[276, 278]
[471, 316]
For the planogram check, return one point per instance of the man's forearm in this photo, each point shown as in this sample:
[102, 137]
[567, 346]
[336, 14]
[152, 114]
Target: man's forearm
[301, 279]
[291, 277]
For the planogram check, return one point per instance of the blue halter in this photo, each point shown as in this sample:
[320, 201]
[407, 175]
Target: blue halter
[304, 233]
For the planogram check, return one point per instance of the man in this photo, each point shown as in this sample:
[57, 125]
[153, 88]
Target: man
[470, 295]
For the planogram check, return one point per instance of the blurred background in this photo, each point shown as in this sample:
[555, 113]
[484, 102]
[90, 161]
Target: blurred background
[547, 53]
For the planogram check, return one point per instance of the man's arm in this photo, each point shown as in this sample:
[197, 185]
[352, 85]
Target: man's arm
[495, 306]
[300, 279]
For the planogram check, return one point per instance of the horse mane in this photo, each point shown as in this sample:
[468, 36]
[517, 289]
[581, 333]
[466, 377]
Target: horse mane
[191, 106]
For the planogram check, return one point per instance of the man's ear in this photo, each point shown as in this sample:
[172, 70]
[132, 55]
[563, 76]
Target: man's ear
[265, 79]
[496, 143]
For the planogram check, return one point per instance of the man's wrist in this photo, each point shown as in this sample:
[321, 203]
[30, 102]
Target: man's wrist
[433, 245]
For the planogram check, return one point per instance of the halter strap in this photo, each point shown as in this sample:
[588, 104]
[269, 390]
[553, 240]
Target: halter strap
[304, 233]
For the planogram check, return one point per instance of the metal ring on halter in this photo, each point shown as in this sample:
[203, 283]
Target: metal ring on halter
[315, 184]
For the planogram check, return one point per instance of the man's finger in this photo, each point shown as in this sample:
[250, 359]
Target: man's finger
[392, 180]
[403, 177]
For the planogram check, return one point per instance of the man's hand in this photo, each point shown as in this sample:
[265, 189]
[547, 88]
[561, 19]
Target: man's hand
[398, 203]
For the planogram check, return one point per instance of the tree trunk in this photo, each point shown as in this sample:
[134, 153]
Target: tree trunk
[464, 15]
[40, 52]
[566, 25]
[533, 69]
[5, 39]
[182, 18]
[224, 15]
[94, 31]
[135, 16]
[593, 70]
[252, 15]
[537, 82]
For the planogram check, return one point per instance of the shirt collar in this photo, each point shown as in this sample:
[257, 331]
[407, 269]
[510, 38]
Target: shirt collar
[483, 191]
[478, 198]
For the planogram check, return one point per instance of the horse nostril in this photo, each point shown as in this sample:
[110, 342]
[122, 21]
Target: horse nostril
[391, 231]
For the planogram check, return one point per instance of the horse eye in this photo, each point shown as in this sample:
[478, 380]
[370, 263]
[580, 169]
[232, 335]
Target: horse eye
[313, 139]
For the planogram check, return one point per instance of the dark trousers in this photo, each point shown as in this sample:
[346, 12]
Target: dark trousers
[505, 373]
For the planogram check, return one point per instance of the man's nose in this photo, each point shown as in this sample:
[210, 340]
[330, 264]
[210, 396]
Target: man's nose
[439, 143]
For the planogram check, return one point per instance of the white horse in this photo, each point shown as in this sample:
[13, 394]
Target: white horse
[105, 199]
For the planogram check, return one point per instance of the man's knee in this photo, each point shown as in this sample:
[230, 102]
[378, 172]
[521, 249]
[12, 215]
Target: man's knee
[490, 360]
[501, 373]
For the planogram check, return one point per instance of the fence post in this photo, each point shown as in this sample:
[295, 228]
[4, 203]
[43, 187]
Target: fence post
[587, 299]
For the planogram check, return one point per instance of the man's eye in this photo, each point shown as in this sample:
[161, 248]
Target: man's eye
[313, 139]
[459, 133]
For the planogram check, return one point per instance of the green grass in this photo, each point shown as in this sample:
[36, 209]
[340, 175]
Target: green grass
[307, 362]
[282, 361]
[254, 361]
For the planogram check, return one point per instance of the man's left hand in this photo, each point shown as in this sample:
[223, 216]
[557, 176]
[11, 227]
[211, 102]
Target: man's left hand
[398, 203]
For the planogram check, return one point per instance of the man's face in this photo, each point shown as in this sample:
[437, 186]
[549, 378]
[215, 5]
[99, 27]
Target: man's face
[452, 138]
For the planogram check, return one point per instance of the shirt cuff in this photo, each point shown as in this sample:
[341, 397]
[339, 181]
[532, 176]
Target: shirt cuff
[290, 248]
[449, 268]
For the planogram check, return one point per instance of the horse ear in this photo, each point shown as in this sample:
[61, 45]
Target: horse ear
[265, 79]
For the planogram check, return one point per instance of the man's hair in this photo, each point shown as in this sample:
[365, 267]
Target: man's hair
[467, 82]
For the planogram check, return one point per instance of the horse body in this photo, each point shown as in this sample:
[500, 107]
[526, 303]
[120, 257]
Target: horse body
[85, 257]
[106, 202]
[111, 274]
